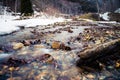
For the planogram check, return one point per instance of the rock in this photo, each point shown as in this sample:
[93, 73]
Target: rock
[62, 46]
[17, 46]
[98, 42]
[47, 58]
[5, 67]
[56, 45]
[111, 78]
[7, 48]
[15, 78]
[67, 48]
[42, 76]
[33, 42]
[110, 67]
[117, 65]
[14, 62]
[63, 78]
[102, 77]
[70, 31]
[1, 72]
[11, 68]
[39, 46]
[26, 43]
[90, 76]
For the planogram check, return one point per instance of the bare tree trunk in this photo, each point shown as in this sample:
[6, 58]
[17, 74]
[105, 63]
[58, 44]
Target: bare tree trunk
[15, 7]
[98, 9]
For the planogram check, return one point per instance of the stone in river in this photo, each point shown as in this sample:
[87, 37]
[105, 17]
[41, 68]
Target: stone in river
[90, 76]
[63, 78]
[67, 48]
[47, 58]
[15, 78]
[17, 46]
[15, 62]
[26, 43]
[6, 48]
[56, 45]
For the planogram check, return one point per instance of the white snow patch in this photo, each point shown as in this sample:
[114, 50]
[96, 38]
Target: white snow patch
[117, 11]
[112, 22]
[8, 24]
[105, 16]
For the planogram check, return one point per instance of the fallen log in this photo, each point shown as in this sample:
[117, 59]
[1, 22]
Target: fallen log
[96, 53]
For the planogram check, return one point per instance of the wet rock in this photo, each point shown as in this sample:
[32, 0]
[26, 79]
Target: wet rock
[111, 78]
[43, 76]
[78, 38]
[47, 58]
[98, 42]
[102, 77]
[117, 64]
[17, 46]
[26, 43]
[110, 67]
[15, 78]
[1, 72]
[39, 46]
[62, 46]
[63, 78]
[67, 48]
[90, 76]
[6, 48]
[21, 27]
[33, 42]
[70, 31]
[15, 62]
[56, 45]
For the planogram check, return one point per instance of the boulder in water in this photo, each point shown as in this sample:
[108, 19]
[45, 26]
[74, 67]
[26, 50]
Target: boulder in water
[17, 46]
[56, 45]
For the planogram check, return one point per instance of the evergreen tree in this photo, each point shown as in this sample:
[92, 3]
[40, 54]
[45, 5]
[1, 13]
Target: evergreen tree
[26, 7]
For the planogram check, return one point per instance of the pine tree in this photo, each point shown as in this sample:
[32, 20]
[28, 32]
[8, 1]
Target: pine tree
[26, 7]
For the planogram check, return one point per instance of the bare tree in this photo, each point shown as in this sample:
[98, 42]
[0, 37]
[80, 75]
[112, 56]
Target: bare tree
[98, 9]
[15, 7]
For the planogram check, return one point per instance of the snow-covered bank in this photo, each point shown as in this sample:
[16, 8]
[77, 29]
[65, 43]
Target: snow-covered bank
[105, 16]
[8, 24]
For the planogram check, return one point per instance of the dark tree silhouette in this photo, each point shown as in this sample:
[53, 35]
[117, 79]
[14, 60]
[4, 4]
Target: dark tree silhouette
[26, 7]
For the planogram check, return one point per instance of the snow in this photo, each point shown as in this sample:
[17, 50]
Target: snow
[105, 16]
[112, 22]
[9, 24]
[117, 11]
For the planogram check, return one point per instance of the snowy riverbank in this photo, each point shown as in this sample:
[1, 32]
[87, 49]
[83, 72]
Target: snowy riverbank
[9, 24]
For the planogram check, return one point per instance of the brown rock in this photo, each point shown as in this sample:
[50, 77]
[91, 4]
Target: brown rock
[26, 43]
[39, 46]
[62, 46]
[70, 31]
[56, 45]
[67, 48]
[17, 46]
[90, 76]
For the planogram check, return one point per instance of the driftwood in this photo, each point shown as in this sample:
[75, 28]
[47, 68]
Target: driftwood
[106, 49]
